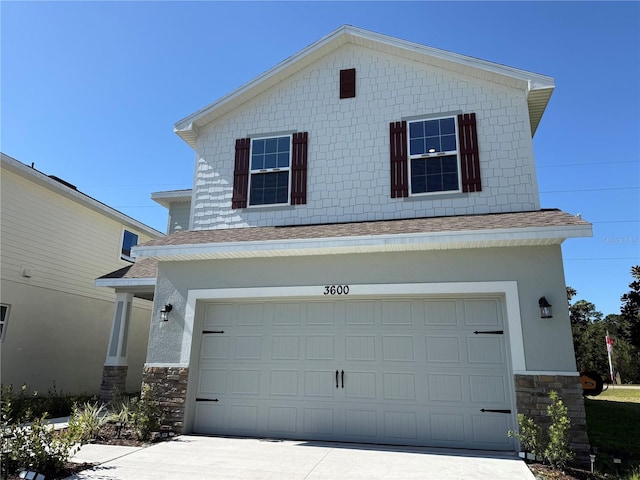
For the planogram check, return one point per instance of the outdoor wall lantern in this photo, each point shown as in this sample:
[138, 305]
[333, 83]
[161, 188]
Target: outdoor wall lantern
[164, 312]
[545, 308]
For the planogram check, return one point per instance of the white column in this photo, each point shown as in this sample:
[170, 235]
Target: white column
[117, 350]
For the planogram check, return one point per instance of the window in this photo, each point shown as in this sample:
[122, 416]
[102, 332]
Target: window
[270, 171]
[4, 318]
[434, 155]
[129, 240]
[269, 174]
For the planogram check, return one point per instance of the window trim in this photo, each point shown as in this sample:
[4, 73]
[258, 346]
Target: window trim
[4, 320]
[448, 153]
[123, 255]
[253, 172]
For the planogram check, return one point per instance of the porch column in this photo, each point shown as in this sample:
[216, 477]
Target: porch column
[114, 374]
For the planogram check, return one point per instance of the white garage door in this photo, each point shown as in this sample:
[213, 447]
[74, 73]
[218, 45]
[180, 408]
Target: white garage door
[394, 371]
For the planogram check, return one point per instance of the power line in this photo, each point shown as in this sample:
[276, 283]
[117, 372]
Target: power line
[592, 190]
[585, 164]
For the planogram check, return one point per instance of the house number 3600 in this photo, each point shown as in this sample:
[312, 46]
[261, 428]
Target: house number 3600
[336, 289]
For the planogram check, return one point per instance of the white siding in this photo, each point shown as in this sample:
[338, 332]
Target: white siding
[348, 176]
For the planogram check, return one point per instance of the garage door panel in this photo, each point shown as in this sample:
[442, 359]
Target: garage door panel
[414, 371]
[360, 313]
[285, 347]
[284, 383]
[360, 348]
[485, 350]
[212, 381]
[489, 430]
[319, 347]
[440, 313]
[319, 383]
[445, 388]
[488, 389]
[481, 312]
[442, 349]
[215, 347]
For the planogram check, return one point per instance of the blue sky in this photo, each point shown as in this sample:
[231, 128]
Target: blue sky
[91, 90]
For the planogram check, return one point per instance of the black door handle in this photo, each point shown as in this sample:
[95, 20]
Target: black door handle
[342, 378]
[336, 378]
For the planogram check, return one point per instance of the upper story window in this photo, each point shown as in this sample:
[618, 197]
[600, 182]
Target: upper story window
[129, 240]
[270, 171]
[269, 174]
[4, 318]
[433, 154]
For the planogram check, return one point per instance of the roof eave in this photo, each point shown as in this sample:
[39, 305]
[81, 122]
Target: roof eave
[533, 236]
[187, 128]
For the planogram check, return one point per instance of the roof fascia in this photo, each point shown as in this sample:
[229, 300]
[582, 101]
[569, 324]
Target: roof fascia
[187, 128]
[372, 243]
[83, 199]
[166, 198]
[126, 282]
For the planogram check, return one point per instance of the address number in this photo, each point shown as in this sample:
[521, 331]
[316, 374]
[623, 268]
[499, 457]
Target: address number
[336, 289]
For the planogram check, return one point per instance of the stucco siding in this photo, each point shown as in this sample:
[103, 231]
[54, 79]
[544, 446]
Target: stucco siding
[348, 173]
[537, 270]
[63, 338]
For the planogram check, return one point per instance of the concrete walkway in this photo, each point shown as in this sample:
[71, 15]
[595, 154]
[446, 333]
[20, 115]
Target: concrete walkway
[194, 457]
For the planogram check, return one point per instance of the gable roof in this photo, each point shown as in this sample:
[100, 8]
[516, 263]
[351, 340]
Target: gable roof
[541, 227]
[69, 191]
[538, 87]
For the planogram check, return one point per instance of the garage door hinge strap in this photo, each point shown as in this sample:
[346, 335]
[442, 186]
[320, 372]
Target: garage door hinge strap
[489, 332]
[206, 399]
[483, 410]
[213, 331]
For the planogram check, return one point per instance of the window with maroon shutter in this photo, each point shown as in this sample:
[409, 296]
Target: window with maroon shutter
[398, 150]
[441, 155]
[299, 169]
[270, 171]
[469, 157]
[241, 173]
[348, 83]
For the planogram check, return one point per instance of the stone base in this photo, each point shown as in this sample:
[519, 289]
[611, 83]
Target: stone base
[532, 399]
[114, 379]
[170, 386]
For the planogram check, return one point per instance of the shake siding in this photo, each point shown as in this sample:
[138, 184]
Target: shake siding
[66, 244]
[348, 154]
[179, 217]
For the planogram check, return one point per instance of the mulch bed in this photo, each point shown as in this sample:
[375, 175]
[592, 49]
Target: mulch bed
[544, 472]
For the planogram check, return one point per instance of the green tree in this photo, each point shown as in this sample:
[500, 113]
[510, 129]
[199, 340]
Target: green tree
[630, 309]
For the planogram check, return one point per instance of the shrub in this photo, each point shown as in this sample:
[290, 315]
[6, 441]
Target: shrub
[558, 451]
[146, 414]
[528, 434]
[88, 420]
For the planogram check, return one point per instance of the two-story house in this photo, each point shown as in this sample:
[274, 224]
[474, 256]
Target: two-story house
[56, 323]
[365, 257]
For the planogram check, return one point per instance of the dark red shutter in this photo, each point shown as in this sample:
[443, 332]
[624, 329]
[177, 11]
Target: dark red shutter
[348, 83]
[399, 165]
[241, 173]
[299, 169]
[469, 157]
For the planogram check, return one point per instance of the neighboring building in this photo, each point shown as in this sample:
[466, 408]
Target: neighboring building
[364, 256]
[55, 322]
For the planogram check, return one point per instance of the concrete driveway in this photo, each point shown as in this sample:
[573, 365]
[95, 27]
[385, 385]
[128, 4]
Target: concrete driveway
[194, 457]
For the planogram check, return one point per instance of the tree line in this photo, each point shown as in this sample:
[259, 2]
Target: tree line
[589, 330]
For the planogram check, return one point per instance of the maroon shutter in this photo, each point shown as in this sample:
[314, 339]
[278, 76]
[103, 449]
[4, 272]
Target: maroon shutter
[469, 157]
[299, 169]
[348, 83]
[399, 165]
[241, 173]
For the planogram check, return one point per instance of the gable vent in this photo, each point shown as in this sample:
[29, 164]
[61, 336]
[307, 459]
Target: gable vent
[348, 83]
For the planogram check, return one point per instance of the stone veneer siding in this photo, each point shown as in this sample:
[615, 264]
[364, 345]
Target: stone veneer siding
[114, 379]
[170, 385]
[532, 399]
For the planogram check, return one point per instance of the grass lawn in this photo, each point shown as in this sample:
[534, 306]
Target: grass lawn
[613, 422]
